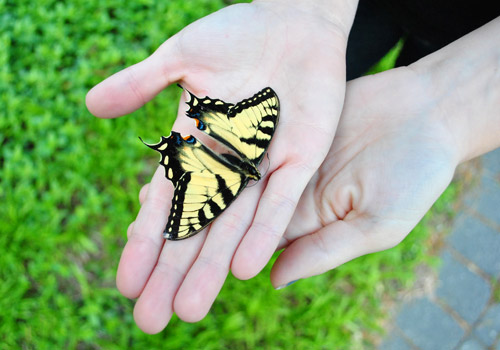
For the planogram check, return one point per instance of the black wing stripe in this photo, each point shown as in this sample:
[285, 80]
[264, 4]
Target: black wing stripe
[174, 219]
[257, 114]
[206, 183]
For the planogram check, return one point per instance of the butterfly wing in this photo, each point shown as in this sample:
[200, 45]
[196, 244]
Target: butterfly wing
[205, 184]
[246, 127]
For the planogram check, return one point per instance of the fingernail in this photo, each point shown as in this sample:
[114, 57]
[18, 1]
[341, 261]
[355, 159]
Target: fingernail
[285, 285]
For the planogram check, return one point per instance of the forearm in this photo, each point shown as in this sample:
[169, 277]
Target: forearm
[464, 84]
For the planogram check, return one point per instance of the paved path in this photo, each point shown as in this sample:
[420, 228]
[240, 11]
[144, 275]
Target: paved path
[463, 312]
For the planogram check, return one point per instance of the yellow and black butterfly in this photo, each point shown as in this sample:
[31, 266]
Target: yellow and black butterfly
[205, 182]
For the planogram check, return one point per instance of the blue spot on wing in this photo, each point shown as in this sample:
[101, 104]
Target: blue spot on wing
[201, 125]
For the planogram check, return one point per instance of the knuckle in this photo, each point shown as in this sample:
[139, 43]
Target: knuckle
[232, 223]
[309, 165]
[269, 230]
[139, 237]
[217, 264]
[280, 201]
[143, 193]
[130, 229]
[134, 86]
[164, 266]
[156, 200]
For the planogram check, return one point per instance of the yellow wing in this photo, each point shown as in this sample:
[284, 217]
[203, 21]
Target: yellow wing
[205, 184]
[246, 127]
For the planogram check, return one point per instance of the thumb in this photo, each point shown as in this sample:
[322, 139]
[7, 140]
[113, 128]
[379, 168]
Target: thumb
[334, 245]
[131, 88]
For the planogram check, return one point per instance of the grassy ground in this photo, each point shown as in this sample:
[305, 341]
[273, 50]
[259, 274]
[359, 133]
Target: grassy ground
[69, 185]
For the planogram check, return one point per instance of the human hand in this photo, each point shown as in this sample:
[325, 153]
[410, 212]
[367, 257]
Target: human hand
[389, 162]
[231, 54]
[400, 138]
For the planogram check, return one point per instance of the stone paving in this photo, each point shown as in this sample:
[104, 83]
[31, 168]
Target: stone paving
[463, 312]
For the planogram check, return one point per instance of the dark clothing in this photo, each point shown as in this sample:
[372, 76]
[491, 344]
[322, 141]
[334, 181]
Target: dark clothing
[425, 25]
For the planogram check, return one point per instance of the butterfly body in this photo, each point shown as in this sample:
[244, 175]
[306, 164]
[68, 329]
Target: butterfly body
[205, 182]
[244, 166]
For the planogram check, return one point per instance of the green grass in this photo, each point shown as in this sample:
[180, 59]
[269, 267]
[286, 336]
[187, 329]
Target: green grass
[389, 60]
[69, 185]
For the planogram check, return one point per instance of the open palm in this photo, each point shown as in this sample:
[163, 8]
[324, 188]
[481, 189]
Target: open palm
[389, 162]
[230, 55]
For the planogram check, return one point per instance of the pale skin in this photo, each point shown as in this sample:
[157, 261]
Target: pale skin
[231, 54]
[401, 135]
[399, 140]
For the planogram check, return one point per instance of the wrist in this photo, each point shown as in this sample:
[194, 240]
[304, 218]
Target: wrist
[339, 13]
[464, 87]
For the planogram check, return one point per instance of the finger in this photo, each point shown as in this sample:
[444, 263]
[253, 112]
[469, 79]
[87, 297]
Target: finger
[130, 229]
[208, 273]
[274, 212]
[332, 246]
[154, 308]
[129, 89]
[145, 242]
[143, 193]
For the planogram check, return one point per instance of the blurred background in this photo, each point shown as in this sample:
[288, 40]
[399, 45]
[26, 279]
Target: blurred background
[69, 188]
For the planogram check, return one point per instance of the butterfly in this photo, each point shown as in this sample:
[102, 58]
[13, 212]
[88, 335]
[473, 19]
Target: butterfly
[206, 182]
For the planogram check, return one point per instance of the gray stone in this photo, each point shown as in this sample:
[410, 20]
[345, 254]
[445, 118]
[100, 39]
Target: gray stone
[428, 326]
[466, 292]
[471, 344]
[488, 202]
[471, 198]
[394, 342]
[488, 329]
[491, 162]
[478, 243]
